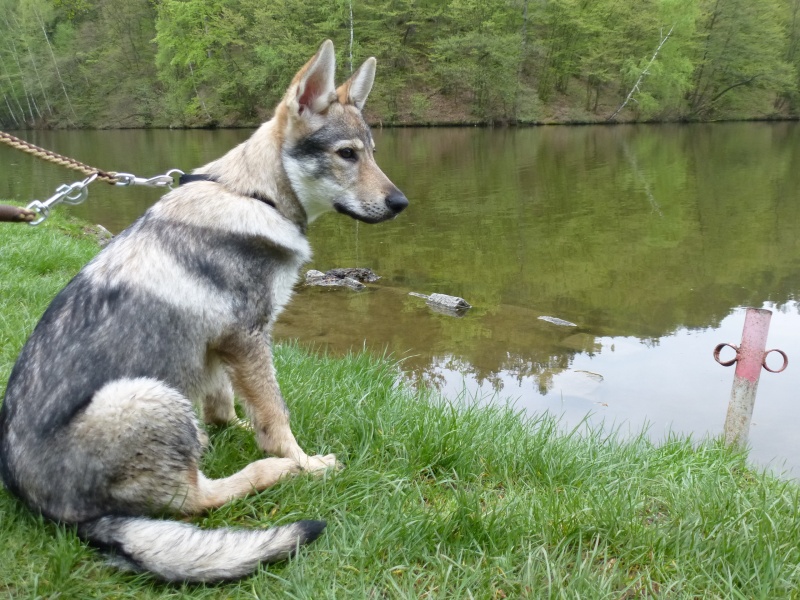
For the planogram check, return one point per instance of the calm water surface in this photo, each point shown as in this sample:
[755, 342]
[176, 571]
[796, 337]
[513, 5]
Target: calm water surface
[651, 239]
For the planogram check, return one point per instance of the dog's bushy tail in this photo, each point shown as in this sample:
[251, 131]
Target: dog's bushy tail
[176, 551]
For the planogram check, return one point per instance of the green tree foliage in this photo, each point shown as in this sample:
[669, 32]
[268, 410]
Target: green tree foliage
[482, 57]
[741, 46]
[78, 63]
[131, 63]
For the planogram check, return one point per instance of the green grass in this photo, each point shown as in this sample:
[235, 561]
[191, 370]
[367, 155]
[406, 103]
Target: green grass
[437, 499]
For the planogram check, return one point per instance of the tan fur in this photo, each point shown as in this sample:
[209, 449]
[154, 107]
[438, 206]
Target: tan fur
[206, 493]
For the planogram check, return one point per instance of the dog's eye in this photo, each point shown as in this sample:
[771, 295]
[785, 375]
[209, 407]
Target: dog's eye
[347, 153]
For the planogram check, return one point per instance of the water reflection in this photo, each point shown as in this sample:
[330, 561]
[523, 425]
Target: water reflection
[668, 385]
[649, 238]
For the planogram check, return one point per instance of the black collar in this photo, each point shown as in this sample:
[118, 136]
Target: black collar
[190, 177]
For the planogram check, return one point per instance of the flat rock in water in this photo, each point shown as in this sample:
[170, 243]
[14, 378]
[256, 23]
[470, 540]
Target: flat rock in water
[442, 303]
[448, 301]
[351, 278]
[557, 321]
[361, 274]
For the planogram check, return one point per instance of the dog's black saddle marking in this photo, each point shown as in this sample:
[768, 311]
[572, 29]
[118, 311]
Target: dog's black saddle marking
[190, 177]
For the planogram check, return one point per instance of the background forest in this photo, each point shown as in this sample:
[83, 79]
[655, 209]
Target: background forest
[196, 63]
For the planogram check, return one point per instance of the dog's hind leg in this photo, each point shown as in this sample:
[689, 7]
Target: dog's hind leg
[137, 447]
[205, 493]
[143, 439]
[253, 375]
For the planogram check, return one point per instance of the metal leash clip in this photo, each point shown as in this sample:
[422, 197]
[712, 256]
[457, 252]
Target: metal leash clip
[73, 193]
[167, 180]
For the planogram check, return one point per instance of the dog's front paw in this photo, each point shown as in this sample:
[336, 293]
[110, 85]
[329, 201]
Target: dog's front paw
[319, 464]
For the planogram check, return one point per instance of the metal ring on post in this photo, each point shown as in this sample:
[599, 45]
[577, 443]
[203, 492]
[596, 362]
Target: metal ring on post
[785, 360]
[726, 363]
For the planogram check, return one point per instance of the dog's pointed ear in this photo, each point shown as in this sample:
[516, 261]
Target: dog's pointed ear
[313, 88]
[356, 89]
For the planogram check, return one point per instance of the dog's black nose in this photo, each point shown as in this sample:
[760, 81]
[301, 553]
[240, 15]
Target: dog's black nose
[396, 201]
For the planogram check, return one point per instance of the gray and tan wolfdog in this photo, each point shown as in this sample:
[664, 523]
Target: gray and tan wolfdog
[97, 427]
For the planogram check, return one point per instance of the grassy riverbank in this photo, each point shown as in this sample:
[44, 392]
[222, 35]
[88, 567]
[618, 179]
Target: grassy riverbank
[437, 500]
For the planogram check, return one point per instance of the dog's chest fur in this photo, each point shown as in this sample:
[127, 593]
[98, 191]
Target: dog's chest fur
[227, 259]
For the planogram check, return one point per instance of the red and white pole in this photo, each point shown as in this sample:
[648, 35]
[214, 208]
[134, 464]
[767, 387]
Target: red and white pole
[751, 356]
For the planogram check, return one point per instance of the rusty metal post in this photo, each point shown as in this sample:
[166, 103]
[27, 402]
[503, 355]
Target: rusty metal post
[750, 357]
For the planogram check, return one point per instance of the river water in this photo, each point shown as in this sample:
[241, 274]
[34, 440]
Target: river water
[651, 239]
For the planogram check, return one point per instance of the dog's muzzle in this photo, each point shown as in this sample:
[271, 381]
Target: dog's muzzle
[395, 201]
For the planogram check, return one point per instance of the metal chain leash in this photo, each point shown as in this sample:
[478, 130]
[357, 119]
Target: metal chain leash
[76, 192]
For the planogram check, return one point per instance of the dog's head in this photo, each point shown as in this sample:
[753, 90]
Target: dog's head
[327, 150]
